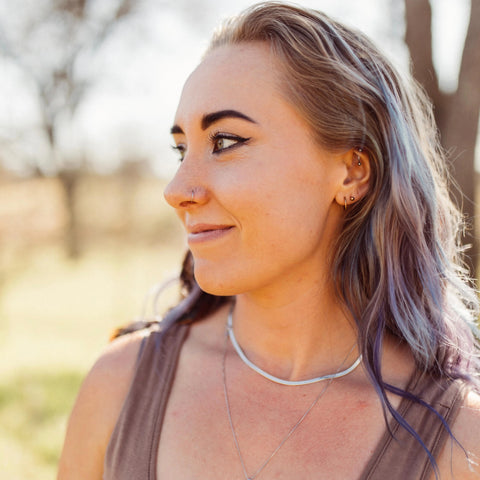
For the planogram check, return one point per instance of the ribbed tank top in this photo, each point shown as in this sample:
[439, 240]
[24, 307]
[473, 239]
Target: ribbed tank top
[133, 447]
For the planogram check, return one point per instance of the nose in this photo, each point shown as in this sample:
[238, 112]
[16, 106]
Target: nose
[185, 189]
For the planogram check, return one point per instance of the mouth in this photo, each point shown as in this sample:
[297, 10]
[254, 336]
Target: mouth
[205, 232]
[203, 227]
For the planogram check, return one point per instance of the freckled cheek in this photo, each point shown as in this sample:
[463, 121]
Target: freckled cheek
[264, 198]
[244, 196]
[271, 224]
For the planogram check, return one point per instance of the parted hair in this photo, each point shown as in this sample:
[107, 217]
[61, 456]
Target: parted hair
[397, 261]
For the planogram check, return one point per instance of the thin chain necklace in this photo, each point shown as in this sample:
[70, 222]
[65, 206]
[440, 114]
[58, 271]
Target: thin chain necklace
[265, 374]
[228, 333]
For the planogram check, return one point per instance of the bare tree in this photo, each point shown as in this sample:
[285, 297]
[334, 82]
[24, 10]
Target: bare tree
[51, 41]
[457, 113]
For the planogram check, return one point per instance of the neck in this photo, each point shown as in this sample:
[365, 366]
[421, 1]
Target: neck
[295, 339]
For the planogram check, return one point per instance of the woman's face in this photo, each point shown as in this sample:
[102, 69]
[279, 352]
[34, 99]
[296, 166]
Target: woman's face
[254, 191]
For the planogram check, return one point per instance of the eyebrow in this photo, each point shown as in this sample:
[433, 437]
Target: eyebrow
[210, 118]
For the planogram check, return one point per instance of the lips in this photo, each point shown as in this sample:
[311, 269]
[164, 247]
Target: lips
[201, 232]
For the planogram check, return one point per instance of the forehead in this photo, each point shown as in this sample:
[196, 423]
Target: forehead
[233, 76]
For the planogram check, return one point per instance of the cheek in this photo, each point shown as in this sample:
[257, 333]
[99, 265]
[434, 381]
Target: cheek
[285, 218]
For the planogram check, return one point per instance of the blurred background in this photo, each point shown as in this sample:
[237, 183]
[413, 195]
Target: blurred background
[88, 90]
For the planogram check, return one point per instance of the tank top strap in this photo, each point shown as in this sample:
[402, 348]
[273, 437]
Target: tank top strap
[399, 455]
[132, 451]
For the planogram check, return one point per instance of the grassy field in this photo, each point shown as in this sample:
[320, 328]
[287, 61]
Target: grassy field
[56, 314]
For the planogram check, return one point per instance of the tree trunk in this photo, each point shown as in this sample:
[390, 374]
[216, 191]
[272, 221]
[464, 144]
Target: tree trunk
[69, 180]
[457, 114]
[460, 126]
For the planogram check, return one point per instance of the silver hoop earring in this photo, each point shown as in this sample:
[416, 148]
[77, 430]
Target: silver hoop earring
[193, 195]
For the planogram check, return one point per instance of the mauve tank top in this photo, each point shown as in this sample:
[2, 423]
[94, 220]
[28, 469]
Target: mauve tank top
[133, 447]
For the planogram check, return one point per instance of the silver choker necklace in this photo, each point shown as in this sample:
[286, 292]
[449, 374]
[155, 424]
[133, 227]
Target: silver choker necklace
[272, 378]
[257, 472]
[229, 334]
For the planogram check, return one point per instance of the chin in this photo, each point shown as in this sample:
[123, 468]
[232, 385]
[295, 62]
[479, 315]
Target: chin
[212, 287]
[215, 282]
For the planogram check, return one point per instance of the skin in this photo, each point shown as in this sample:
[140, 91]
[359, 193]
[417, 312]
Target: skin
[261, 222]
[237, 187]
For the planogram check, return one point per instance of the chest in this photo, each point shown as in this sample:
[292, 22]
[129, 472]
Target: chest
[321, 431]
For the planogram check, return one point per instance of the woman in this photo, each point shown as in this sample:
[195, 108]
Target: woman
[326, 330]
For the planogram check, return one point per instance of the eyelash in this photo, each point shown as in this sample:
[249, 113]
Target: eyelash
[216, 136]
[213, 138]
[180, 149]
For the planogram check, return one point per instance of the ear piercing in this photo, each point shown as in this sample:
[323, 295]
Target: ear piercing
[193, 195]
[351, 198]
[358, 158]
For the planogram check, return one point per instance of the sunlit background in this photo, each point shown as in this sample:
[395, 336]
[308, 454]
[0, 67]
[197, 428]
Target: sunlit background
[88, 92]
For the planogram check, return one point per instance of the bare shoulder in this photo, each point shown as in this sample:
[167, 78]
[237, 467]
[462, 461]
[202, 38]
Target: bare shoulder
[461, 461]
[96, 409]
[117, 361]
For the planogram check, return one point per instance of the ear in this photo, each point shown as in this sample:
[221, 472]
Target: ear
[357, 175]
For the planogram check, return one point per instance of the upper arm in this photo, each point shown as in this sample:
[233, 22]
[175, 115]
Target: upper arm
[461, 461]
[96, 410]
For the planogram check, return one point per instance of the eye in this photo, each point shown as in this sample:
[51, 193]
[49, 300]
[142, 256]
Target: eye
[223, 141]
[180, 149]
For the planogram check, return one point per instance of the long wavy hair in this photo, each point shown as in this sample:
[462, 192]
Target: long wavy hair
[397, 262]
